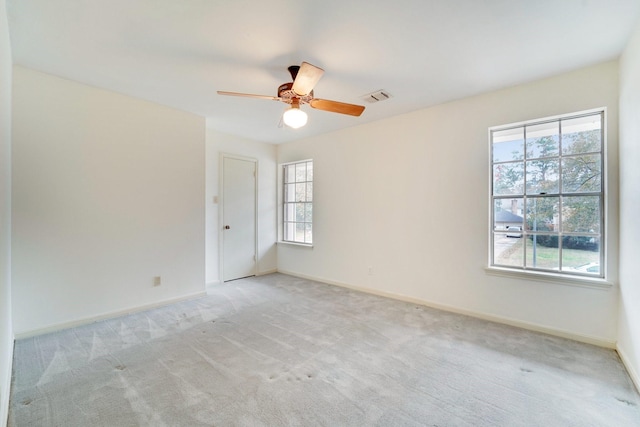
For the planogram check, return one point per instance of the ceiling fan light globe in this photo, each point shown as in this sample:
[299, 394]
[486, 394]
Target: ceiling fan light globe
[294, 118]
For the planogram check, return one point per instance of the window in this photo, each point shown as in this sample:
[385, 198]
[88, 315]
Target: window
[547, 195]
[298, 202]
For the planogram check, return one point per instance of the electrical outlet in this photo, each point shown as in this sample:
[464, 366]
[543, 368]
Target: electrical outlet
[157, 281]
[370, 271]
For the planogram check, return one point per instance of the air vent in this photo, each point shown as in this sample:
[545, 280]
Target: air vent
[377, 96]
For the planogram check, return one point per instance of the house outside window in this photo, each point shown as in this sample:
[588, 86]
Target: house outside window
[547, 195]
[298, 202]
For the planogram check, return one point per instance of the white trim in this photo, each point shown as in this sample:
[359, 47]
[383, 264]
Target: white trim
[286, 242]
[264, 273]
[210, 285]
[294, 162]
[635, 378]
[6, 390]
[560, 279]
[548, 118]
[110, 315]
[598, 341]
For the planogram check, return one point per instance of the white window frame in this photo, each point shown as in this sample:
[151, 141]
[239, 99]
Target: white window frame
[289, 221]
[560, 276]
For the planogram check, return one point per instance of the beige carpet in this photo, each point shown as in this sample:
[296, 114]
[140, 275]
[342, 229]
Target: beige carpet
[281, 351]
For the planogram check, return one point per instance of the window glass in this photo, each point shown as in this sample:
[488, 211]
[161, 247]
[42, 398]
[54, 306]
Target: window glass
[508, 178]
[582, 173]
[542, 213]
[508, 214]
[309, 191]
[508, 145]
[544, 257]
[581, 214]
[508, 251]
[297, 202]
[543, 140]
[543, 176]
[582, 134]
[548, 195]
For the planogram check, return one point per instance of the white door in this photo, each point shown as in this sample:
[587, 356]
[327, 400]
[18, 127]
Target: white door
[238, 218]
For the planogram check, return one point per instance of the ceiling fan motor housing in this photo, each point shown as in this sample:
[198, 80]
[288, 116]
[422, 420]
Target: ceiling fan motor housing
[285, 91]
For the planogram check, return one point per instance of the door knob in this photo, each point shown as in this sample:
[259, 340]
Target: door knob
[226, 227]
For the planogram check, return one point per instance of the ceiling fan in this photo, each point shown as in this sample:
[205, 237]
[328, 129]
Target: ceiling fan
[300, 91]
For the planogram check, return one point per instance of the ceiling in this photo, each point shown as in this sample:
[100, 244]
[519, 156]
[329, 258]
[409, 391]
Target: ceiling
[423, 52]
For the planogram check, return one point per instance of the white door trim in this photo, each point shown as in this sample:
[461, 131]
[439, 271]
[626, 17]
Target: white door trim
[221, 219]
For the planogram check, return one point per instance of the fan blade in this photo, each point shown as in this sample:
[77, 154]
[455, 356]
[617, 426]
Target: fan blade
[336, 107]
[308, 76]
[249, 95]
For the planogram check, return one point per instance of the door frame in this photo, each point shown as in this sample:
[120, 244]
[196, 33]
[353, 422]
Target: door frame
[221, 219]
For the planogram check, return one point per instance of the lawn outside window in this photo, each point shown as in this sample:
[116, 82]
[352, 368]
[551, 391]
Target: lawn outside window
[298, 202]
[547, 196]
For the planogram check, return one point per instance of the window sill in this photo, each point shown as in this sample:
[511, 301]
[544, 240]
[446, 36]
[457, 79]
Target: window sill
[304, 245]
[584, 282]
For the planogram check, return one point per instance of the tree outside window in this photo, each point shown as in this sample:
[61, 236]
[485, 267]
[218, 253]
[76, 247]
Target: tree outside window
[547, 195]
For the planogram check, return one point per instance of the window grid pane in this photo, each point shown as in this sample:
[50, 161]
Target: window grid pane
[547, 196]
[297, 206]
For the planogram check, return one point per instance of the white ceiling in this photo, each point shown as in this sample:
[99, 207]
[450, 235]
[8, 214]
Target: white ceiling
[424, 52]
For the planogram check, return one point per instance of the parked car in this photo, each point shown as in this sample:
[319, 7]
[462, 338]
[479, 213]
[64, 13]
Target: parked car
[589, 268]
[514, 231]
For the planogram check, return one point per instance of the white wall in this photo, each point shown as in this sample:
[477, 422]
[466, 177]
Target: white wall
[629, 332]
[107, 194]
[6, 332]
[408, 196]
[217, 144]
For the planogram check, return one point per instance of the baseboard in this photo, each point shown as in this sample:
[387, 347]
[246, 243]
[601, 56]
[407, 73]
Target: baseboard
[6, 391]
[209, 285]
[264, 273]
[600, 342]
[633, 374]
[92, 319]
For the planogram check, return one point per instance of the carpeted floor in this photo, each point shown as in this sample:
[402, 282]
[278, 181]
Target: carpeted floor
[281, 351]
